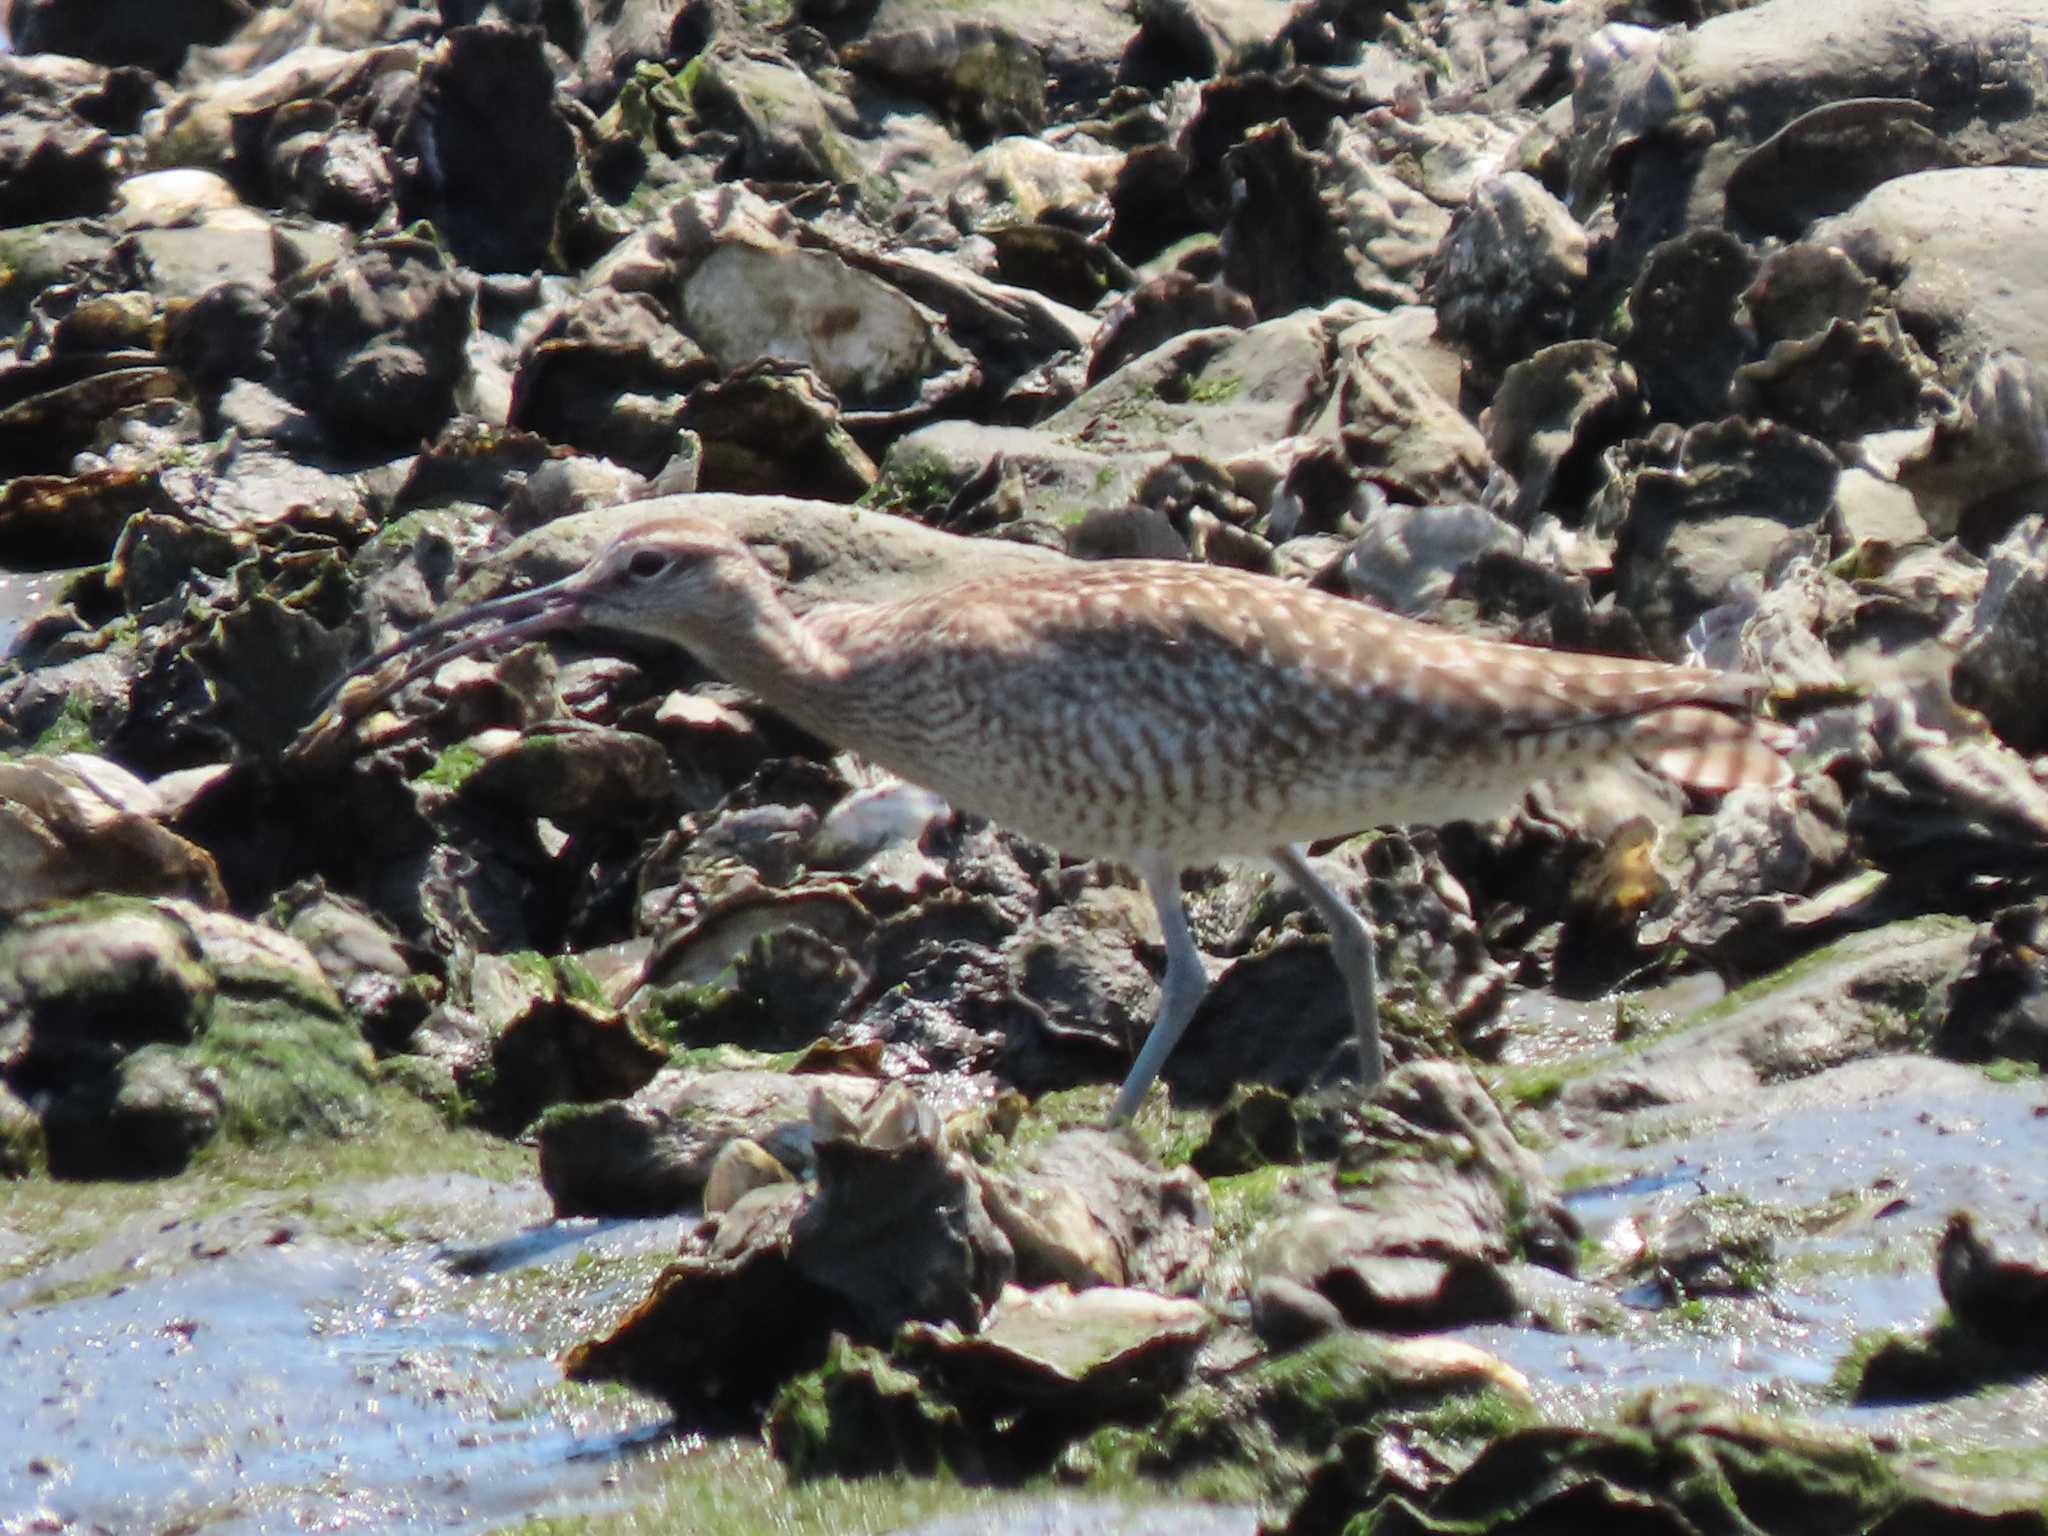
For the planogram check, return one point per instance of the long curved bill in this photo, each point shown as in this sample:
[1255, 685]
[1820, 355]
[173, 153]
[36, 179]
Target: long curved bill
[506, 620]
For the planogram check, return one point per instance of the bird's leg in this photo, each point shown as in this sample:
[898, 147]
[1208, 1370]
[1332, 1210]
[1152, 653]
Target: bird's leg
[1350, 946]
[1180, 989]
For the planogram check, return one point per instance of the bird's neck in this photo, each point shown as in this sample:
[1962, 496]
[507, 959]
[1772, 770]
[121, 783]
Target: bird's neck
[778, 657]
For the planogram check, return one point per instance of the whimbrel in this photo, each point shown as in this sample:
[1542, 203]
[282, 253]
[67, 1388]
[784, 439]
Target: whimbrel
[1156, 713]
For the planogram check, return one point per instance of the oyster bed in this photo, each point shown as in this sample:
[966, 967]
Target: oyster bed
[569, 1097]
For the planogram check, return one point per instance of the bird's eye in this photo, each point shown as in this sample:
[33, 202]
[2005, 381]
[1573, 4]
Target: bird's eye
[646, 564]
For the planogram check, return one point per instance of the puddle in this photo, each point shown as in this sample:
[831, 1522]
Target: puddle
[1542, 1028]
[248, 1375]
[1916, 1138]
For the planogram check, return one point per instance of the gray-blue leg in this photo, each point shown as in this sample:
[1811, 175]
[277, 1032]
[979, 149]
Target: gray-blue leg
[1351, 947]
[1180, 989]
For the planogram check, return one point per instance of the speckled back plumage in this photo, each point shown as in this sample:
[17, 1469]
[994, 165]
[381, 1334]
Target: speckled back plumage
[1195, 711]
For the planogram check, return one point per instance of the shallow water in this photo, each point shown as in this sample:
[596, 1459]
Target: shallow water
[250, 1375]
[328, 1361]
[1898, 1143]
[22, 596]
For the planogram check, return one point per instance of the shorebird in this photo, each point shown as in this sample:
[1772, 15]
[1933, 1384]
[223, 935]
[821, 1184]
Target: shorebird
[1161, 714]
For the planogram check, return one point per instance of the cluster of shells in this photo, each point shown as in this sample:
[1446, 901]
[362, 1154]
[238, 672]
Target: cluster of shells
[1689, 331]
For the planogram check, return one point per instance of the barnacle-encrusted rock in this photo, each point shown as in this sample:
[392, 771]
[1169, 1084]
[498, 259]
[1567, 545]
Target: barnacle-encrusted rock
[1419, 1244]
[74, 825]
[375, 343]
[1998, 1006]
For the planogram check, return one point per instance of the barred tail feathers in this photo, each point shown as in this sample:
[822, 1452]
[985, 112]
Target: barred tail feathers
[1710, 749]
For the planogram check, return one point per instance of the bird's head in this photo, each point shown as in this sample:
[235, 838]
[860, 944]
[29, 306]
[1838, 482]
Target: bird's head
[678, 578]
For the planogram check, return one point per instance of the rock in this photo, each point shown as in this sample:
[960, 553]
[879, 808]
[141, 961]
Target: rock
[576, 776]
[1989, 1336]
[859, 1415]
[1941, 242]
[486, 100]
[362, 961]
[1433, 965]
[741, 1167]
[895, 1232]
[609, 374]
[766, 968]
[24, 1151]
[153, 36]
[144, 1120]
[1408, 557]
[53, 164]
[1698, 519]
[1974, 474]
[1740, 879]
[983, 77]
[375, 344]
[1997, 1008]
[2000, 672]
[1419, 1244]
[82, 985]
[1287, 1314]
[1628, 1477]
[1156, 311]
[1257, 1127]
[63, 835]
[547, 1046]
[1554, 412]
[1682, 336]
[1281, 1413]
[1145, 1228]
[772, 429]
[150, 1027]
[1850, 380]
[1508, 272]
[1999, 1299]
[1084, 1354]
[723, 1329]
[1709, 1246]
[651, 1153]
[1850, 999]
[898, 1226]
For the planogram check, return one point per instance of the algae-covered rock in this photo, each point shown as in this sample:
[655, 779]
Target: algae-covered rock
[22, 1147]
[1675, 1464]
[1714, 1245]
[1992, 1332]
[143, 1120]
[146, 1028]
[1998, 1006]
[548, 1039]
[894, 1232]
[82, 985]
[1851, 999]
[1048, 1366]
[858, 1414]
[1082, 1353]
[1275, 1418]
[1435, 1199]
